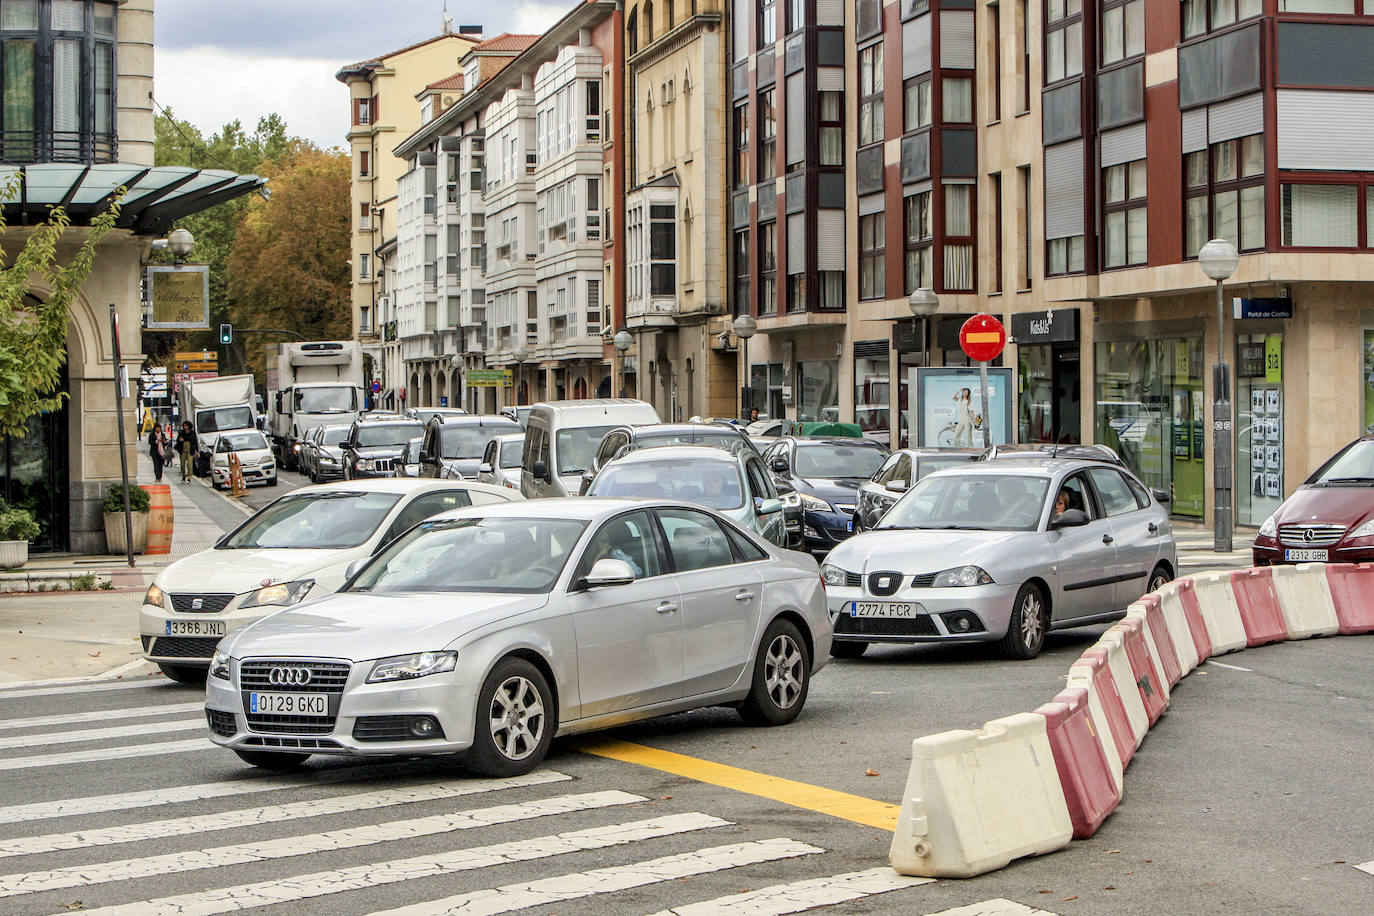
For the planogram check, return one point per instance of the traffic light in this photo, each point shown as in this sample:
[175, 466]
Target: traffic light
[226, 333]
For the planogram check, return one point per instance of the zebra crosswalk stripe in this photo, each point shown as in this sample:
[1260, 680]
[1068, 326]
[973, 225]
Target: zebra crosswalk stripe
[109, 753]
[254, 781]
[26, 692]
[800, 896]
[101, 715]
[1366, 867]
[288, 847]
[997, 906]
[101, 734]
[269, 814]
[607, 880]
[319, 884]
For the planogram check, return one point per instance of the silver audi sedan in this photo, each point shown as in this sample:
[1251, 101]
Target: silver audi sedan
[486, 632]
[1000, 550]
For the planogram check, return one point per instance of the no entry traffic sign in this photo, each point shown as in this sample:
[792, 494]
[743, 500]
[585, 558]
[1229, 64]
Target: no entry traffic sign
[982, 337]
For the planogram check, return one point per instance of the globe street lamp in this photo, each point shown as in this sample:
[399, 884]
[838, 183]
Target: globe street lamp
[746, 327]
[1218, 260]
[623, 341]
[179, 243]
[521, 353]
[923, 304]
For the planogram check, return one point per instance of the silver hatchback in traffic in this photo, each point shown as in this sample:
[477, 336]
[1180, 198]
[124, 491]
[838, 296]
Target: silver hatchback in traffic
[486, 632]
[1001, 550]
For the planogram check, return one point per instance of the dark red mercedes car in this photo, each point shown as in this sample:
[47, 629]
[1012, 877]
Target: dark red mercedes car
[1330, 518]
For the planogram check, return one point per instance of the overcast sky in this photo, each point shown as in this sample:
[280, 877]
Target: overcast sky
[220, 61]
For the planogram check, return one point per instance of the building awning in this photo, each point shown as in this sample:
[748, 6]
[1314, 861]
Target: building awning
[155, 196]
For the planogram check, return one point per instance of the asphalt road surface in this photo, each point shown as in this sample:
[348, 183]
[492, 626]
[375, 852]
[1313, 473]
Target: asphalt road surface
[1250, 795]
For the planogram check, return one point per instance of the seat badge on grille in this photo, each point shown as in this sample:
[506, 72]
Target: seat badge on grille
[197, 603]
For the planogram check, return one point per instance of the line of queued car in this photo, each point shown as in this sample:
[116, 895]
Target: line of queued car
[442, 614]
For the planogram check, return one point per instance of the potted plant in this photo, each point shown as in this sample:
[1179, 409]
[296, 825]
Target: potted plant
[113, 507]
[17, 528]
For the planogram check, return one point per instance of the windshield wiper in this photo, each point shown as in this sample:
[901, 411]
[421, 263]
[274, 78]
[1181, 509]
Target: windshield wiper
[901, 528]
[1348, 480]
[960, 527]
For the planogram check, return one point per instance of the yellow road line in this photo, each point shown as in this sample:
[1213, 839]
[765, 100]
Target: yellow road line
[847, 807]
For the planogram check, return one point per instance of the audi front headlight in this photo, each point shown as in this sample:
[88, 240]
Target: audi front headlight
[832, 575]
[405, 667]
[961, 576]
[219, 665]
[815, 503]
[1270, 528]
[155, 597]
[1363, 531]
[283, 594]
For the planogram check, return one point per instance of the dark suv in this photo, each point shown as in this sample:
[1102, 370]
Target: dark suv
[826, 474]
[624, 439]
[373, 447]
[453, 445]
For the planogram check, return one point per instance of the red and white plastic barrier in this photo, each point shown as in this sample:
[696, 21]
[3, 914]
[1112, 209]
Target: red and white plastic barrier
[1091, 782]
[1025, 784]
[977, 800]
[1216, 600]
[1258, 604]
[1305, 600]
[1150, 612]
[1352, 593]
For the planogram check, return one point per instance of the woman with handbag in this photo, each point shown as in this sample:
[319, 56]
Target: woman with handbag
[159, 449]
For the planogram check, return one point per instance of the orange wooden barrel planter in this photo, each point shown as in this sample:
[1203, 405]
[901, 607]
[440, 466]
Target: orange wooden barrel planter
[159, 518]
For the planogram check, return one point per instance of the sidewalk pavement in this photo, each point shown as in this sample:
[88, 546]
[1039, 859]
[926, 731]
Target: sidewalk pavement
[90, 634]
[62, 634]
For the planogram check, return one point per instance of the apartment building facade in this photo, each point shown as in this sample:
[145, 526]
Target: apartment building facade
[676, 286]
[383, 108]
[524, 232]
[1059, 164]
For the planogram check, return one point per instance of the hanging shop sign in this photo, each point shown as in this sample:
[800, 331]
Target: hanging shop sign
[178, 296]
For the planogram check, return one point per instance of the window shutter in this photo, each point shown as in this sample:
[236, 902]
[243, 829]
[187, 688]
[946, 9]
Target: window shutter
[829, 79]
[956, 40]
[1125, 144]
[796, 243]
[830, 241]
[1326, 130]
[1237, 118]
[796, 118]
[915, 47]
[1195, 129]
[1064, 190]
[871, 204]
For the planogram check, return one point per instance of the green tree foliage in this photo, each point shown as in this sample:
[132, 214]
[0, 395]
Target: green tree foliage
[318, 243]
[33, 333]
[288, 265]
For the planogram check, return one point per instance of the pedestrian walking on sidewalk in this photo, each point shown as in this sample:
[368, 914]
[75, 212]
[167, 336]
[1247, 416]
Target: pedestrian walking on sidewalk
[160, 449]
[186, 448]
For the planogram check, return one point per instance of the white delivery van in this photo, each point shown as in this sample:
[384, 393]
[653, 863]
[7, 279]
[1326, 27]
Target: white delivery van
[561, 437]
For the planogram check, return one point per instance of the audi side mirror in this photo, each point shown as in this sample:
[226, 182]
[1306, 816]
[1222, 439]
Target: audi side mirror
[764, 506]
[608, 572]
[484, 468]
[352, 569]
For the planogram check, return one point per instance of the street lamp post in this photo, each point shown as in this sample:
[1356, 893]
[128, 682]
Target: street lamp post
[1218, 260]
[923, 304]
[623, 341]
[521, 353]
[746, 327]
